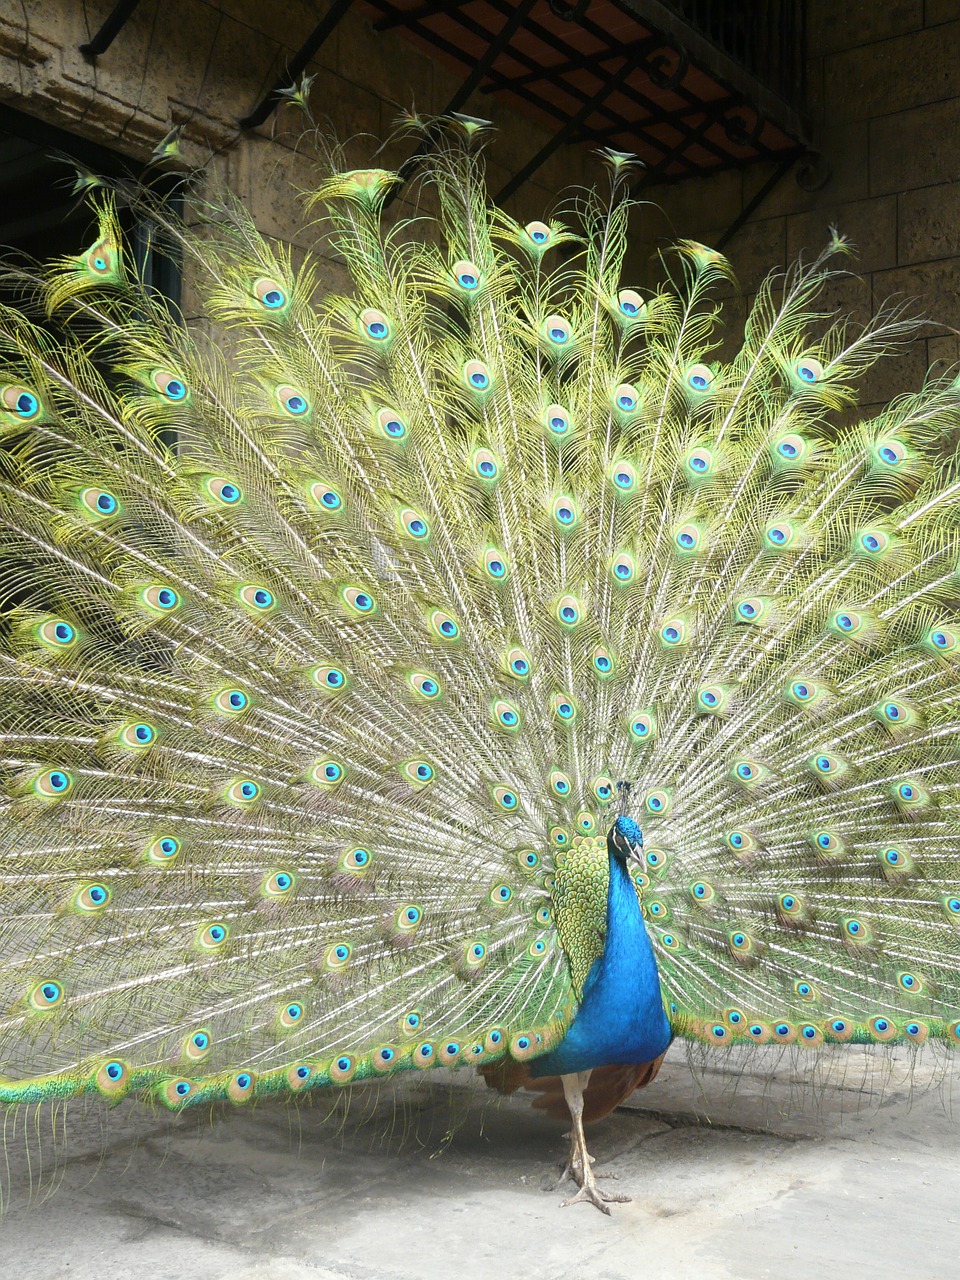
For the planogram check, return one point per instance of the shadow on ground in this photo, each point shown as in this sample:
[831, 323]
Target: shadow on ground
[848, 1162]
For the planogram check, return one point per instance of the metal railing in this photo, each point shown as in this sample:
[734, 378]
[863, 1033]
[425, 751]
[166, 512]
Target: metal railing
[767, 38]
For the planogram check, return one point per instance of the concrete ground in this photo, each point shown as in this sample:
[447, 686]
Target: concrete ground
[847, 1164]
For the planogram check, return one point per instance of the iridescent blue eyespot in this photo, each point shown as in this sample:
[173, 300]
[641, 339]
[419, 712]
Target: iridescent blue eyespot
[27, 404]
[182, 1088]
[175, 390]
[786, 449]
[906, 791]
[845, 622]
[332, 771]
[106, 503]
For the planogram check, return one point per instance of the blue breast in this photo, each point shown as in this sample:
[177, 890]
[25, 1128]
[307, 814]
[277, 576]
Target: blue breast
[621, 1017]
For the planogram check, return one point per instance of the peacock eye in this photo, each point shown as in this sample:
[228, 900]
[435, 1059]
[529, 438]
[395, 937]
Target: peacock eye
[270, 294]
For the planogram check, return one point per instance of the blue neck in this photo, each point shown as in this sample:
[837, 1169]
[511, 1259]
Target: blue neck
[621, 1017]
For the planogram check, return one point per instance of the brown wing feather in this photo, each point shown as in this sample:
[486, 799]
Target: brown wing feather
[608, 1086]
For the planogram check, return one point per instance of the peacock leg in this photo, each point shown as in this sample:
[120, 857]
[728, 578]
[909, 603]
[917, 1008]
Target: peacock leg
[579, 1163]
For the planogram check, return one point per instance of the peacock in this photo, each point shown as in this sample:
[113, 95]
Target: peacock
[471, 669]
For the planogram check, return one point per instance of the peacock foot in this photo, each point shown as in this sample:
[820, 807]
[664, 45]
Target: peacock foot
[579, 1166]
[590, 1193]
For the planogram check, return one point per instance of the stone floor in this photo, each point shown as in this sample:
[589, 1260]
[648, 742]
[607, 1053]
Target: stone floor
[846, 1165]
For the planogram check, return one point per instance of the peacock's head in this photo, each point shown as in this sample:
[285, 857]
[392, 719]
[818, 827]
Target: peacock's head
[625, 839]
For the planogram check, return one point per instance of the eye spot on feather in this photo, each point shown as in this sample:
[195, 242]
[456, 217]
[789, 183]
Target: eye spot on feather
[56, 633]
[163, 851]
[485, 465]
[112, 1077]
[358, 600]
[291, 1014]
[197, 1045]
[626, 398]
[557, 419]
[374, 325]
[539, 234]
[890, 452]
[808, 370]
[92, 899]
[699, 377]
[99, 502]
[21, 402]
[160, 599]
[476, 376]
[223, 491]
[279, 885]
[467, 275]
[343, 1068]
[425, 686]
[557, 331]
[213, 936]
[269, 294]
[242, 793]
[169, 385]
[630, 303]
[53, 784]
[506, 798]
[391, 424]
[46, 995]
[568, 611]
[293, 401]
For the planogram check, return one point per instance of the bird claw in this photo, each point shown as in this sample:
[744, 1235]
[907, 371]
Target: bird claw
[590, 1193]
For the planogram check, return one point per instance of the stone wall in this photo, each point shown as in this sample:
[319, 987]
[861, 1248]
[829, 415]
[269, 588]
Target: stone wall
[884, 105]
[204, 65]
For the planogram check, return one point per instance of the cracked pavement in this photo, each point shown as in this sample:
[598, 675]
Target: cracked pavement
[845, 1160]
